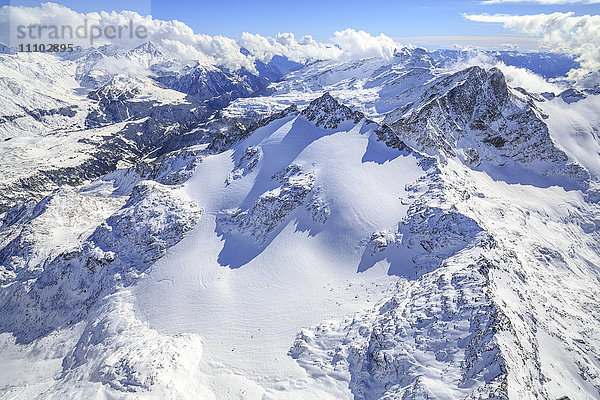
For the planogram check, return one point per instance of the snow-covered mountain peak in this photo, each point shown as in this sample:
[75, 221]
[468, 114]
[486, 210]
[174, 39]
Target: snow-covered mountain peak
[414, 58]
[327, 112]
[146, 54]
[150, 48]
[475, 115]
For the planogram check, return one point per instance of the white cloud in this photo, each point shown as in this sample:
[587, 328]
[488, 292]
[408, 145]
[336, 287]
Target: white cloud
[179, 39]
[361, 44]
[136, 29]
[285, 44]
[579, 35]
[515, 77]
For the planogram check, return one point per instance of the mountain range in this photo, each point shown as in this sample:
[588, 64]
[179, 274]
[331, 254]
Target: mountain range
[424, 226]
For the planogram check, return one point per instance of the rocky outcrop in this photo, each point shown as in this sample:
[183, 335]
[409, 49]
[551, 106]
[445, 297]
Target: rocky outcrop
[272, 207]
[246, 164]
[60, 286]
[473, 112]
[127, 99]
[328, 113]
[436, 332]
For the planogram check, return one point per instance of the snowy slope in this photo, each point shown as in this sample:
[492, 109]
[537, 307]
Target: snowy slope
[450, 253]
[72, 117]
[374, 86]
[296, 271]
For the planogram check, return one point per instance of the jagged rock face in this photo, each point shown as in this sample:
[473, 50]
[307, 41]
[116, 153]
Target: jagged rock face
[328, 113]
[573, 95]
[272, 207]
[249, 160]
[445, 322]
[317, 206]
[232, 132]
[473, 112]
[152, 220]
[66, 282]
[212, 85]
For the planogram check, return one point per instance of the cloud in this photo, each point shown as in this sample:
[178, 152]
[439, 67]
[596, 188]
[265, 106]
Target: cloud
[362, 45]
[550, 2]
[178, 39]
[126, 29]
[564, 32]
[285, 44]
[515, 76]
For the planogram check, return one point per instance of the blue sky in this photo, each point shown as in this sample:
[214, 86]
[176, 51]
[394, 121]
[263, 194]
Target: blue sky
[321, 18]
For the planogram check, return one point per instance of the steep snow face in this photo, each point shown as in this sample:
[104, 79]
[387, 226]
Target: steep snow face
[575, 127]
[497, 319]
[280, 246]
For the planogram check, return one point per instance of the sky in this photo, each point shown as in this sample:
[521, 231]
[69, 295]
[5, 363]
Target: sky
[422, 19]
